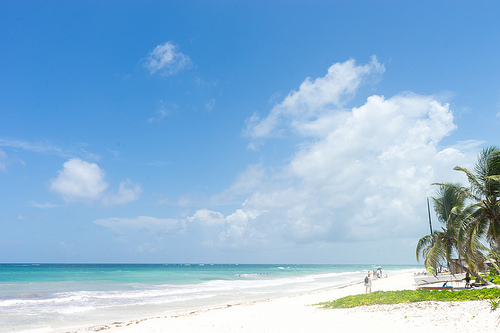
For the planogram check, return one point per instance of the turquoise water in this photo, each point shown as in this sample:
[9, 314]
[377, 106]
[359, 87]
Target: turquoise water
[155, 273]
[61, 297]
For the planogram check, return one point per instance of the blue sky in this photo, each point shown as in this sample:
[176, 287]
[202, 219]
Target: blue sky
[237, 131]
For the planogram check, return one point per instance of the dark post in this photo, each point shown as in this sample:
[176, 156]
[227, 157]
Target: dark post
[429, 211]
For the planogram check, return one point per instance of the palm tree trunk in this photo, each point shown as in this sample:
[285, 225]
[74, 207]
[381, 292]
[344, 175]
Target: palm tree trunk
[471, 272]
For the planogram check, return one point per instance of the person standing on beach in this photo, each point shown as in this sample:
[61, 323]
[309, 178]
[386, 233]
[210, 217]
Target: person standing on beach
[467, 280]
[368, 283]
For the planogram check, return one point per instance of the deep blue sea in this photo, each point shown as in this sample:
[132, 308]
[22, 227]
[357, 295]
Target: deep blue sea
[65, 297]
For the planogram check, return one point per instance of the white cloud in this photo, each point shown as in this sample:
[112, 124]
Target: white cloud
[79, 181]
[361, 173]
[246, 182]
[83, 181]
[240, 230]
[127, 192]
[314, 99]
[165, 59]
[142, 223]
[207, 217]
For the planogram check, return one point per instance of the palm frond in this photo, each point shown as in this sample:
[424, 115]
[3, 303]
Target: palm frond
[435, 255]
[476, 188]
[423, 246]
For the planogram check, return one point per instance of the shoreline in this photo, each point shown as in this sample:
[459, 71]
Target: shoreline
[65, 298]
[299, 314]
[118, 325]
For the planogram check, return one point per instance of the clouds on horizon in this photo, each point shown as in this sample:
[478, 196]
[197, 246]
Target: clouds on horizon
[360, 173]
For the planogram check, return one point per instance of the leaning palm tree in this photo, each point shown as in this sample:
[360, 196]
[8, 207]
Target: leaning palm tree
[436, 248]
[439, 246]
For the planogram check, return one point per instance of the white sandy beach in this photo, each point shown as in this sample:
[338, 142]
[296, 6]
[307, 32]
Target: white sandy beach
[298, 314]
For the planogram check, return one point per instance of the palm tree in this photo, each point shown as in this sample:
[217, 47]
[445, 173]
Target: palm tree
[437, 247]
[466, 229]
[440, 245]
[484, 192]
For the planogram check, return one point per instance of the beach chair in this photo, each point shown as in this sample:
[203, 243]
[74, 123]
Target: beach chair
[443, 287]
[450, 288]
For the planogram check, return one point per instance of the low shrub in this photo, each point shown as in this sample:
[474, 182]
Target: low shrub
[409, 296]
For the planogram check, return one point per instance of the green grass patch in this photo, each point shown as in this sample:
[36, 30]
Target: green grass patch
[493, 277]
[410, 296]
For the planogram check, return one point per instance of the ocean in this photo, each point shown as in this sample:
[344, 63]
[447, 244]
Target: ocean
[40, 298]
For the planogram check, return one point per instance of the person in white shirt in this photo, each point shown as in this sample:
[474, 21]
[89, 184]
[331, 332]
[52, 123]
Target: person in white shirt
[368, 283]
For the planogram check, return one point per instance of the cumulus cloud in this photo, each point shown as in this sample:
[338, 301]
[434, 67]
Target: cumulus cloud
[79, 181]
[83, 181]
[166, 59]
[241, 229]
[314, 99]
[361, 173]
